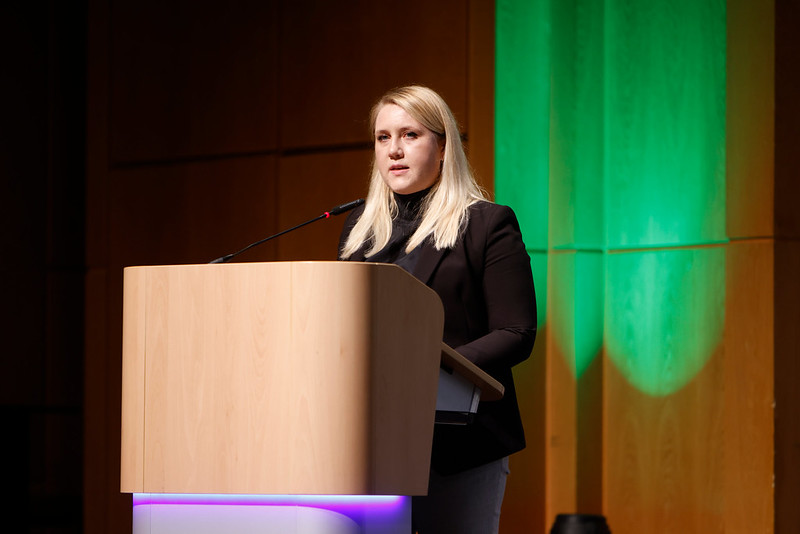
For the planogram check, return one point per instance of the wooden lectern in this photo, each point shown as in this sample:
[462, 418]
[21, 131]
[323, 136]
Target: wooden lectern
[291, 378]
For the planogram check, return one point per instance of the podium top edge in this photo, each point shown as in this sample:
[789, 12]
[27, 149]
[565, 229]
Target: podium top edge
[257, 263]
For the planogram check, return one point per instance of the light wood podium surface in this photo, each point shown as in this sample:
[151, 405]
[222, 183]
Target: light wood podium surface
[278, 378]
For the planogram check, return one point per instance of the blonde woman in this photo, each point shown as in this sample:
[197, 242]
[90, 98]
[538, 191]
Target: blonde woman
[425, 213]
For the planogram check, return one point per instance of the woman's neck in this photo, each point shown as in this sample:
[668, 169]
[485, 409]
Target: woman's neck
[408, 206]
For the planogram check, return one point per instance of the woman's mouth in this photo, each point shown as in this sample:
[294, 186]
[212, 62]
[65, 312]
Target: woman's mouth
[398, 169]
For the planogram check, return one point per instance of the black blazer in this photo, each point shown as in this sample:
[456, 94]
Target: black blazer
[486, 287]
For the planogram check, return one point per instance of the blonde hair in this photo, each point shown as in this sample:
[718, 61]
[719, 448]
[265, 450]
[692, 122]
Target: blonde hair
[445, 209]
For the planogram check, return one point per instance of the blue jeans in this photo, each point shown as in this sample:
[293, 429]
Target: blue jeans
[465, 503]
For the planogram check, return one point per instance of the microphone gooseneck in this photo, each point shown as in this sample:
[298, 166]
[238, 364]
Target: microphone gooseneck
[338, 210]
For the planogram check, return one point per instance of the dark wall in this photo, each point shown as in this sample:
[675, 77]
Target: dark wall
[42, 272]
[787, 267]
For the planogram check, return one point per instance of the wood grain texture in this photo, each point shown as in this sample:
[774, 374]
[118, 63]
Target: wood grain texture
[562, 433]
[524, 503]
[133, 368]
[749, 386]
[293, 378]
[663, 466]
[749, 393]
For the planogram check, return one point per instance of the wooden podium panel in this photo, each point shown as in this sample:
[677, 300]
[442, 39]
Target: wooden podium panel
[278, 378]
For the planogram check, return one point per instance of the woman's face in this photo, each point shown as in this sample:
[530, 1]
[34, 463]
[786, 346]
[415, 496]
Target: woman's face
[407, 154]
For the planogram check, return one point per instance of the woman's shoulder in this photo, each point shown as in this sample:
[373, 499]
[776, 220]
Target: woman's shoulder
[489, 219]
[489, 211]
[493, 225]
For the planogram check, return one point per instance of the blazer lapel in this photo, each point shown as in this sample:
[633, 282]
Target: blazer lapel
[429, 259]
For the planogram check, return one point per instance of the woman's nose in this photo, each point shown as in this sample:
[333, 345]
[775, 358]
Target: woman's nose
[395, 150]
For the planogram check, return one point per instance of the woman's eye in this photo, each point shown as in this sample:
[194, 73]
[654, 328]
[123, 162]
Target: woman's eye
[412, 135]
[382, 137]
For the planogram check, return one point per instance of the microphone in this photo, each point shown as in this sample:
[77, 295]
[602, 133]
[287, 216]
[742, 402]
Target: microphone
[343, 208]
[338, 210]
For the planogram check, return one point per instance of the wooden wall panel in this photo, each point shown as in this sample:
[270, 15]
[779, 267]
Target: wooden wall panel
[193, 212]
[663, 468]
[480, 99]
[701, 459]
[523, 506]
[561, 438]
[311, 184]
[192, 79]
[750, 118]
[338, 61]
[749, 393]
[787, 393]
[589, 430]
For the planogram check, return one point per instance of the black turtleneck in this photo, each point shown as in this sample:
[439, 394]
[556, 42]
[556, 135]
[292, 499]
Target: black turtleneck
[404, 224]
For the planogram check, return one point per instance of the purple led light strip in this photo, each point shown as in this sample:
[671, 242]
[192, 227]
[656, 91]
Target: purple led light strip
[339, 503]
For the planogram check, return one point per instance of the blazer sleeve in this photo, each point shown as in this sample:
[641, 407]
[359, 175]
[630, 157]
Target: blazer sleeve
[508, 293]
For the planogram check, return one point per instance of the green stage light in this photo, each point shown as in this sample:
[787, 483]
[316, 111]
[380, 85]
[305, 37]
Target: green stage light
[664, 314]
[610, 136]
[577, 306]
